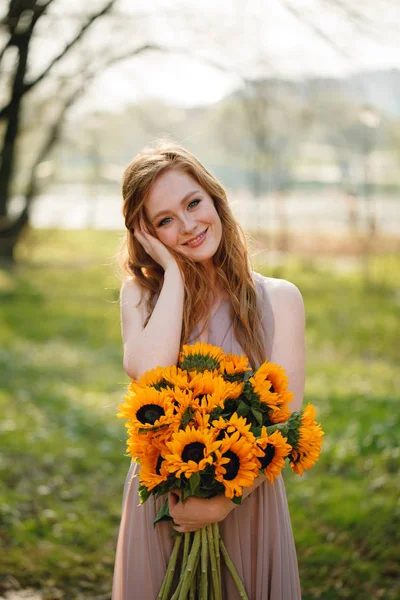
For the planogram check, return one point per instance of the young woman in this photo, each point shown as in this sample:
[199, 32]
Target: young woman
[188, 279]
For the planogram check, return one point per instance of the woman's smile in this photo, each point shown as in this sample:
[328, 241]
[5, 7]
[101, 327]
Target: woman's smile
[194, 242]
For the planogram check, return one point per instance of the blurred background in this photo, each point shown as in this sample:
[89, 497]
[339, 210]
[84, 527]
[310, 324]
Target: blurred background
[295, 106]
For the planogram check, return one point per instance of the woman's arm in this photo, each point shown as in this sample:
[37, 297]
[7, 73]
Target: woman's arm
[158, 343]
[289, 348]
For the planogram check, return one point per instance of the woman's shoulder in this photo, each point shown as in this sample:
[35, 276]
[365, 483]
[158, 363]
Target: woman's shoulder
[278, 290]
[130, 287]
[131, 292]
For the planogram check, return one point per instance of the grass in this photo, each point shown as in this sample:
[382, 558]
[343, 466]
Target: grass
[63, 465]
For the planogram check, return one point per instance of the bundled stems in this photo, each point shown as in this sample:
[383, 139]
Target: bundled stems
[190, 570]
[166, 586]
[201, 552]
[186, 544]
[193, 585]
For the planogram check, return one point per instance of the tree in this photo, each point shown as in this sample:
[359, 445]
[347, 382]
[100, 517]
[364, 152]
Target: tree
[86, 62]
[20, 22]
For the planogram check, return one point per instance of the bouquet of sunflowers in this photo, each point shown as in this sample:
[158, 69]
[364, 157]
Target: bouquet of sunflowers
[211, 426]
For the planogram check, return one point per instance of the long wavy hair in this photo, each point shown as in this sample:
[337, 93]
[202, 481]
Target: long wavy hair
[231, 260]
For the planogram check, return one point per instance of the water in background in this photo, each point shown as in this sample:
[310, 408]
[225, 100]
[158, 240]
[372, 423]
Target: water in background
[79, 207]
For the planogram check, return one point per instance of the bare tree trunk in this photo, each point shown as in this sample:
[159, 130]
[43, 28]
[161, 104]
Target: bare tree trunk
[11, 133]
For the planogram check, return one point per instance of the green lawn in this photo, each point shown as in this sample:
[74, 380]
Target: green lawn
[63, 464]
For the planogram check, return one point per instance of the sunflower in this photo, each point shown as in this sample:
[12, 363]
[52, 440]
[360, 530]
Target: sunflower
[201, 420]
[235, 466]
[234, 424]
[190, 451]
[160, 377]
[276, 375]
[223, 390]
[176, 377]
[201, 357]
[151, 377]
[274, 449]
[153, 470]
[234, 365]
[203, 383]
[262, 388]
[280, 415]
[209, 383]
[147, 408]
[307, 448]
[138, 445]
[185, 407]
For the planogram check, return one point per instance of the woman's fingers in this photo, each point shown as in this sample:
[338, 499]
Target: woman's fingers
[173, 499]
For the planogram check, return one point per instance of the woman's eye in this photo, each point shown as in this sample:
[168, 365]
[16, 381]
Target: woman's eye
[161, 223]
[195, 202]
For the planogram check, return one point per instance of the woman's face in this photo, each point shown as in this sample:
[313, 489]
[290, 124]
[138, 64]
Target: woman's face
[184, 216]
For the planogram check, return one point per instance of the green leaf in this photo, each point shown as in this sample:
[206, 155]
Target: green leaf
[187, 417]
[258, 415]
[255, 430]
[186, 493]
[242, 409]
[143, 493]
[237, 500]
[163, 514]
[194, 483]
[247, 375]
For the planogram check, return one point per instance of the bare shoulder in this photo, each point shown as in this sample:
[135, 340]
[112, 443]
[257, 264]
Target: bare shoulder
[289, 347]
[130, 290]
[283, 294]
[131, 294]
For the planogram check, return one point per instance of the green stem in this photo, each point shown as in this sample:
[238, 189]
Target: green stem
[192, 592]
[232, 570]
[216, 535]
[187, 539]
[213, 561]
[166, 585]
[190, 570]
[204, 561]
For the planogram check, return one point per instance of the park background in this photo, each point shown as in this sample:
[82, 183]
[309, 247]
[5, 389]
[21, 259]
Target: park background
[295, 106]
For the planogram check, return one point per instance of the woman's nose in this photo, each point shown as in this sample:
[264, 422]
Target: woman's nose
[188, 224]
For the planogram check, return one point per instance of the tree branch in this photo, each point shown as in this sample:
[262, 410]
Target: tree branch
[317, 30]
[71, 44]
[29, 85]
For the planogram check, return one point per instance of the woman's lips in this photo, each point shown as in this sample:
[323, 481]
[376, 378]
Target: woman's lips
[198, 240]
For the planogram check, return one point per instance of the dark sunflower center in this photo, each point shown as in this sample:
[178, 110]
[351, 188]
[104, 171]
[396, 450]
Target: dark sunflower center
[232, 467]
[149, 413]
[193, 451]
[269, 454]
[158, 465]
[272, 389]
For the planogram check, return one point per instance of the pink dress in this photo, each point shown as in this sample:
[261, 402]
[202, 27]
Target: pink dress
[258, 534]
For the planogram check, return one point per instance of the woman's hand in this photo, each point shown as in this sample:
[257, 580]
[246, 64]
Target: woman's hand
[196, 513]
[154, 248]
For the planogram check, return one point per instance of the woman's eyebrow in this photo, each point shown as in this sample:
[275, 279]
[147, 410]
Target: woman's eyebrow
[162, 212]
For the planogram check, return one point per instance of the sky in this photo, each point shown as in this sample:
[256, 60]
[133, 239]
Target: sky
[250, 38]
[264, 36]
